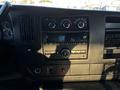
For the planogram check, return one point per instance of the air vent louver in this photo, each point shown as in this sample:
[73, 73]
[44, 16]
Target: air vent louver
[29, 28]
[112, 32]
[26, 29]
[112, 38]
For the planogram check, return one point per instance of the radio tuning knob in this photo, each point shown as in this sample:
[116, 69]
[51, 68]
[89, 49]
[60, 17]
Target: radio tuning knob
[65, 53]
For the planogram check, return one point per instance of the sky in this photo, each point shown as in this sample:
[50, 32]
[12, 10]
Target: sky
[78, 4]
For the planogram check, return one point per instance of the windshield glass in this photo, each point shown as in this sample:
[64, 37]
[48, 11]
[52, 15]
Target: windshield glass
[105, 5]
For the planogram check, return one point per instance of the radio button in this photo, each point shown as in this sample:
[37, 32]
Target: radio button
[85, 37]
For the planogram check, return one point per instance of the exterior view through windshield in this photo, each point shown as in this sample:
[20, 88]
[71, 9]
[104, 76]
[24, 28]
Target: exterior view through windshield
[104, 5]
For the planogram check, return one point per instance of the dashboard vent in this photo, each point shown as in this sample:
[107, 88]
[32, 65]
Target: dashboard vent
[112, 38]
[28, 28]
[112, 23]
[112, 32]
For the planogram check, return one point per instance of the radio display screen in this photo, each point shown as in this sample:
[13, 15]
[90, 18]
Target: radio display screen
[66, 38]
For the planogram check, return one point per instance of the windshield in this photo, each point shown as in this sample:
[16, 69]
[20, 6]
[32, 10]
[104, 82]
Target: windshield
[105, 5]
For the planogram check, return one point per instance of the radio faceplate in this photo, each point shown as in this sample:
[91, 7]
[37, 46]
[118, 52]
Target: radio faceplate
[65, 38]
[68, 51]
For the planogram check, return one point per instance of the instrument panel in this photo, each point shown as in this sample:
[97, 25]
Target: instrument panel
[64, 44]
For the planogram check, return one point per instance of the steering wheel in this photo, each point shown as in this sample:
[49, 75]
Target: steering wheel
[4, 10]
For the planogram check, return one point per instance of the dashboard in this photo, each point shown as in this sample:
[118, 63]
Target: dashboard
[64, 44]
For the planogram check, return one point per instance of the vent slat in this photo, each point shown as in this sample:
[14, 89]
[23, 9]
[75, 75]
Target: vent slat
[112, 32]
[112, 23]
[27, 30]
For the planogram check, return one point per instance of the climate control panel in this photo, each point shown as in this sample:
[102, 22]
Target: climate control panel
[67, 23]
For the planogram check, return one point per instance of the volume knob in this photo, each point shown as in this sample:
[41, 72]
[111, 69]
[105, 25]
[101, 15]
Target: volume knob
[65, 53]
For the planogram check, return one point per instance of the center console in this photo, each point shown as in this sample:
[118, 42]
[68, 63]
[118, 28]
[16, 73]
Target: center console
[65, 37]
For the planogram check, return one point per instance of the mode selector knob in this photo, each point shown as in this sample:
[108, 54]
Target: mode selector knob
[65, 53]
[66, 23]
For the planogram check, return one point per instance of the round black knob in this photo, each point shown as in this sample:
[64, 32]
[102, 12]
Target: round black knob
[65, 53]
[81, 23]
[37, 70]
[52, 25]
[66, 23]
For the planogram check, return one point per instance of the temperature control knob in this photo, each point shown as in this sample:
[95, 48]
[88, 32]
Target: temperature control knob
[52, 25]
[66, 23]
[65, 53]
